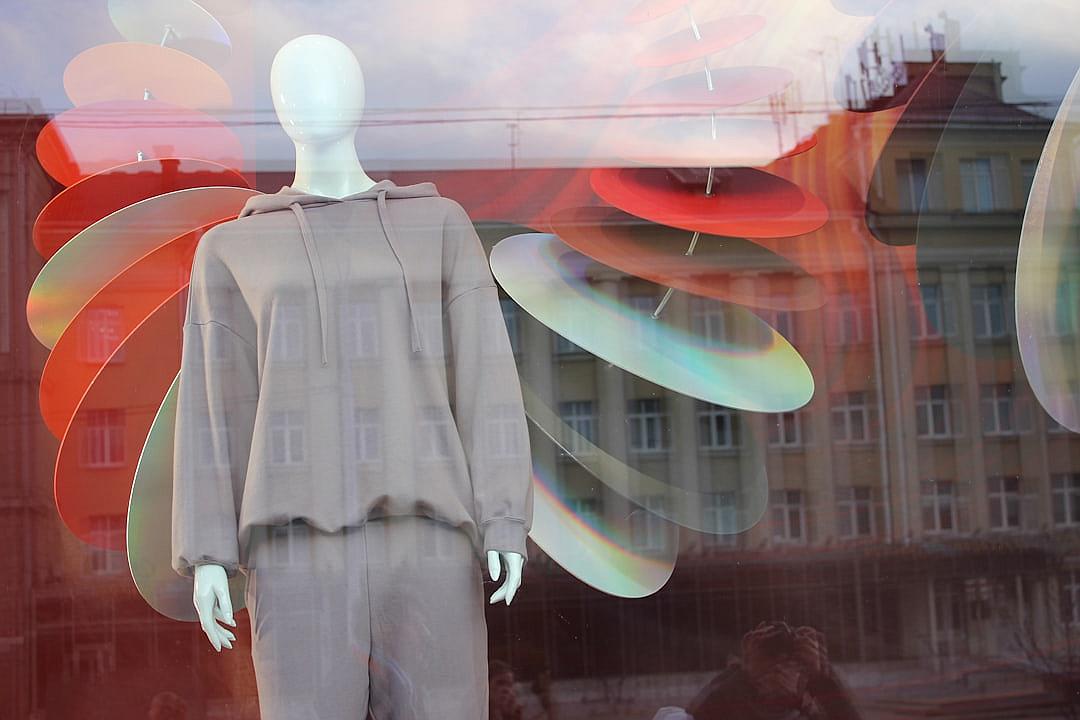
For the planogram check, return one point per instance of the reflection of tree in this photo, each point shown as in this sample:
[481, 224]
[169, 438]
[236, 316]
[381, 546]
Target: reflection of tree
[1055, 656]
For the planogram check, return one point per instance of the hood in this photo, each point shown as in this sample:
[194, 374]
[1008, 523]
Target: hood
[296, 200]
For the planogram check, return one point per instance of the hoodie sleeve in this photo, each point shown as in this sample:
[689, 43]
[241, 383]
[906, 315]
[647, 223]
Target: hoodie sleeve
[215, 412]
[488, 406]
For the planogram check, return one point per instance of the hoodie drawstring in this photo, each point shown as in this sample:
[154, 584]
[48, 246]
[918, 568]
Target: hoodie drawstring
[316, 271]
[391, 238]
[320, 283]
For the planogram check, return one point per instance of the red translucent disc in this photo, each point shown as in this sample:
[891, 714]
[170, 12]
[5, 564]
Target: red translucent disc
[102, 324]
[89, 200]
[690, 94]
[723, 268]
[96, 462]
[127, 70]
[684, 46]
[744, 202]
[89, 139]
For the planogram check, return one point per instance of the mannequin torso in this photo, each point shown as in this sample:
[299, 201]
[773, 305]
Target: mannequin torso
[318, 93]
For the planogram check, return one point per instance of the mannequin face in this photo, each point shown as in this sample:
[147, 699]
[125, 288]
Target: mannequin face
[318, 89]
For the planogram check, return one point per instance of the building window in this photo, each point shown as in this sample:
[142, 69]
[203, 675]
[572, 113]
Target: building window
[1064, 319]
[648, 529]
[933, 318]
[718, 427]
[108, 531]
[988, 311]
[787, 429]
[939, 506]
[1027, 175]
[367, 435]
[213, 445]
[855, 511]
[999, 411]
[91, 661]
[362, 330]
[911, 175]
[580, 416]
[585, 508]
[853, 419]
[647, 423]
[1004, 496]
[287, 338]
[782, 321]
[788, 516]
[707, 321]
[99, 335]
[718, 513]
[846, 321]
[1065, 491]
[933, 412]
[103, 438]
[432, 433]
[512, 318]
[502, 432]
[1070, 597]
[977, 184]
[287, 437]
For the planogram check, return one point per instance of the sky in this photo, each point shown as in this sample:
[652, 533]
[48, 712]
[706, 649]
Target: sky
[445, 79]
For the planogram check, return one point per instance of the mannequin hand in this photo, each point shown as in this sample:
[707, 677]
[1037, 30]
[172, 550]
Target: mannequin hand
[514, 562]
[213, 603]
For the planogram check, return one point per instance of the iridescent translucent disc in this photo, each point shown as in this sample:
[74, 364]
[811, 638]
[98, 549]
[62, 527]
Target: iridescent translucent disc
[751, 367]
[690, 507]
[149, 524]
[94, 470]
[108, 318]
[77, 207]
[128, 70]
[598, 550]
[191, 28]
[1048, 270]
[102, 251]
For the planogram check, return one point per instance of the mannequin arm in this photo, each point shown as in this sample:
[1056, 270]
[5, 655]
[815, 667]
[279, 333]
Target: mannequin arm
[213, 603]
[514, 563]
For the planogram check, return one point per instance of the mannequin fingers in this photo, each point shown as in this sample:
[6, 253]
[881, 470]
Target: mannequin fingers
[513, 581]
[219, 615]
[494, 564]
[498, 594]
[221, 591]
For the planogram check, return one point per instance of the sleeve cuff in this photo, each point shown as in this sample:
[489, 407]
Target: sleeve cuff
[505, 535]
[185, 569]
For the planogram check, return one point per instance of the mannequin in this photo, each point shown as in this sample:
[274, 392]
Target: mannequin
[318, 94]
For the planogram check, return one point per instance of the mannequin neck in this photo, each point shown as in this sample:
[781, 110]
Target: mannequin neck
[331, 168]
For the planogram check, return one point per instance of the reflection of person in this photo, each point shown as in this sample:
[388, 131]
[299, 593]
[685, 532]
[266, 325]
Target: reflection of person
[502, 699]
[784, 674]
[167, 705]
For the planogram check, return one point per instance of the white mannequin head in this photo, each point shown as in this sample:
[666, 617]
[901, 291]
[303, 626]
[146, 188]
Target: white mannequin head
[318, 89]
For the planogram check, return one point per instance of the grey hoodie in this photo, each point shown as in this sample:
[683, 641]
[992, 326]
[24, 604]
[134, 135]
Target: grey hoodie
[346, 359]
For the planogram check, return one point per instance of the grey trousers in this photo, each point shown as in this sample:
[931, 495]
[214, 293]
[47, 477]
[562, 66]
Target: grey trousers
[386, 618]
